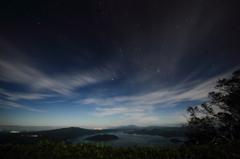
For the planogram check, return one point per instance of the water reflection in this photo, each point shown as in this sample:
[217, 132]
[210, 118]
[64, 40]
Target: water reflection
[131, 140]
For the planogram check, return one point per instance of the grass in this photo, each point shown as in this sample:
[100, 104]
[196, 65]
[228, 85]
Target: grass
[62, 150]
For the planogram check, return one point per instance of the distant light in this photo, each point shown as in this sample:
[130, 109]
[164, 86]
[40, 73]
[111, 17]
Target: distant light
[31, 135]
[13, 131]
[98, 128]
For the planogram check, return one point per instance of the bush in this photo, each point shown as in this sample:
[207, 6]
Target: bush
[62, 150]
[224, 125]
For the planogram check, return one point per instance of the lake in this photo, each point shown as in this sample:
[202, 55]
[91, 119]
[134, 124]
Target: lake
[131, 140]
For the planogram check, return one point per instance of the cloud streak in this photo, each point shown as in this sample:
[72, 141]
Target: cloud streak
[41, 86]
[19, 96]
[139, 113]
[9, 105]
[140, 106]
[64, 84]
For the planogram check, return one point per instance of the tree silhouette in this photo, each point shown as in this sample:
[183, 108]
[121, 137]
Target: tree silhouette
[219, 120]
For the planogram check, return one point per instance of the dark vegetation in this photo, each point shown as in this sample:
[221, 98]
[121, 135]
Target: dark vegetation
[61, 150]
[176, 140]
[102, 137]
[217, 121]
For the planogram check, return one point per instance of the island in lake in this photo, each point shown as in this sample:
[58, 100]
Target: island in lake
[102, 137]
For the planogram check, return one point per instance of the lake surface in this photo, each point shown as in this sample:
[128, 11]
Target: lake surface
[131, 140]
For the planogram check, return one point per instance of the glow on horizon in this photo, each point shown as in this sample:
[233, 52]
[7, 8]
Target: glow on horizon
[99, 128]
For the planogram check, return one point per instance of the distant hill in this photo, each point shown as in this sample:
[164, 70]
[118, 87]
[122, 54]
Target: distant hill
[127, 127]
[52, 135]
[62, 134]
[173, 132]
[132, 127]
[27, 128]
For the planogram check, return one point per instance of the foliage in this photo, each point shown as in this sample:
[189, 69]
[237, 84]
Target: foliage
[62, 150]
[223, 125]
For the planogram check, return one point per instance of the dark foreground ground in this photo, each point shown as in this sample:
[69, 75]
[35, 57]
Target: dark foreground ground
[62, 150]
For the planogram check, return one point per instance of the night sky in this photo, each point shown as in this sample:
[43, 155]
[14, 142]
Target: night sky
[95, 64]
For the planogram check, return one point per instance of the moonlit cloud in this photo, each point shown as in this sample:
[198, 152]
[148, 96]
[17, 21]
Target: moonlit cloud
[41, 86]
[129, 113]
[27, 96]
[10, 105]
[64, 84]
[139, 106]
[102, 102]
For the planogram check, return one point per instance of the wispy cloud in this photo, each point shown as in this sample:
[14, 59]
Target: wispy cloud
[140, 106]
[22, 73]
[139, 113]
[10, 105]
[27, 96]
[162, 98]
[98, 101]
[39, 86]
